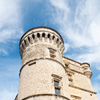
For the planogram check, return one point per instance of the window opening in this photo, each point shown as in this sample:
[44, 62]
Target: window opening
[25, 42]
[52, 52]
[56, 81]
[57, 40]
[33, 36]
[43, 34]
[48, 35]
[38, 35]
[66, 65]
[29, 39]
[70, 82]
[53, 37]
[57, 91]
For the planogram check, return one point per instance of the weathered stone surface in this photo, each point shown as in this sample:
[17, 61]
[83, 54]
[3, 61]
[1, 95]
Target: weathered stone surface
[41, 50]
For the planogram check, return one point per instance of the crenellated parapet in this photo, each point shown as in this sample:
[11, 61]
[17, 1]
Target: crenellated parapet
[41, 38]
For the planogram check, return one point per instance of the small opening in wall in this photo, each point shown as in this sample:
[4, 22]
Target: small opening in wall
[66, 65]
[90, 94]
[31, 63]
[48, 35]
[22, 46]
[25, 42]
[29, 39]
[57, 91]
[33, 36]
[38, 35]
[70, 82]
[43, 34]
[52, 52]
[53, 37]
[56, 83]
[57, 40]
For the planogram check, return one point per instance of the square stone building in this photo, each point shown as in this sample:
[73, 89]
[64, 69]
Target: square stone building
[46, 74]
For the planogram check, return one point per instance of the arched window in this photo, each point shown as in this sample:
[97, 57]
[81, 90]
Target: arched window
[25, 42]
[29, 39]
[43, 34]
[33, 36]
[53, 37]
[38, 35]
[57, 40]
[48, 35]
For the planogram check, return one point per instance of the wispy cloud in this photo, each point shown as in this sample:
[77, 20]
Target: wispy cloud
[97, 89]
[10, 22]
[98, 77]
[3, 51]
[7, 95]
[79, 22]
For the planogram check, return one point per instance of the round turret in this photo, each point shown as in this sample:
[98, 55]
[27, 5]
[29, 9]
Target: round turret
[87, 70]
[42, 42]
[42, 75]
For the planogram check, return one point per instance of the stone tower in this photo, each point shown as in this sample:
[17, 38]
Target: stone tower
[46, 74]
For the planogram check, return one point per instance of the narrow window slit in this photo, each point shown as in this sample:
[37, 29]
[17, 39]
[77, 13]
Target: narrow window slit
[48, 35]
[29, 39]
[43, 34]
[33, 36]
[53, 37]
[38, 35]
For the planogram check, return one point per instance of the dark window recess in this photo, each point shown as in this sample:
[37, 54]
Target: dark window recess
[29, 39]
[57, 91]
[25, 42]
[66, 65]
[31, 63]
[23, 46]
[38, 35]
[48, 35]
[53, 37]
[56, 83]
[57, 40]
[43, 34]
[52, 52]
[33, 36]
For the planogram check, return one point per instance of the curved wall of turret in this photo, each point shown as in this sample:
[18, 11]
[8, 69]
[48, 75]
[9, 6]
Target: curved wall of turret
[41, 50]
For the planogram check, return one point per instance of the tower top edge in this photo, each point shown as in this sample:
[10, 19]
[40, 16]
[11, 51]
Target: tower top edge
[39, 28]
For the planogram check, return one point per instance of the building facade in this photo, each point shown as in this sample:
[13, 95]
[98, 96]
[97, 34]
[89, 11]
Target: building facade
[46, 74]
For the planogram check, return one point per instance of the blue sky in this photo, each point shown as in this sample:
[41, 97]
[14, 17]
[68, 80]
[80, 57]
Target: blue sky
[78, 22]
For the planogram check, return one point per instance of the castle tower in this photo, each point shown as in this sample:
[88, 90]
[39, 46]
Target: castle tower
[42, 75]
[46, 74]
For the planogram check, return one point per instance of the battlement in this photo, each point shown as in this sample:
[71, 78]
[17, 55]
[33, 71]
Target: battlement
[42, 42]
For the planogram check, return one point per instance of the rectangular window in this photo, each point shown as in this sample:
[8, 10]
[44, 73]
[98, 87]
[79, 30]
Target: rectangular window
[69, 76]
[57, 91]
[56, 83]
[70, 82]
[52, 52]
[66, 65]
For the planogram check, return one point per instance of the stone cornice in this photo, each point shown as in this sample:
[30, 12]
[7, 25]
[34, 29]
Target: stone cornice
[46, 95]
[82, 89]
[40, 27]
[34, 61]
[41, 34]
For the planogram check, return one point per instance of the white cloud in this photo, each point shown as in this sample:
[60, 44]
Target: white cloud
[79, 22]
[10, 20]
[98, 77]
[66, 47]
[7, 95]
[3, 51]
[97, 89]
